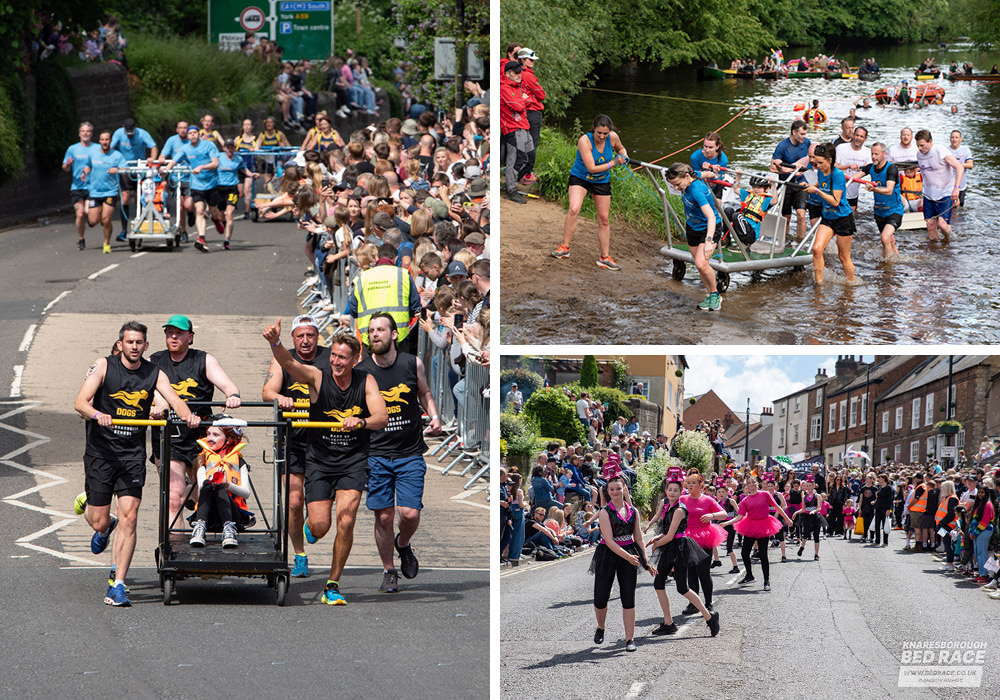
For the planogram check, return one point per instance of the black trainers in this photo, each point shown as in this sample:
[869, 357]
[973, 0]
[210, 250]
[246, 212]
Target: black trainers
[81, 244]
[767, 585]
[783, 559]
[408, 563]
[691, 609]
[599, 636]
[734, 570]
[629, 645]
[515, 197]
[746, 579]
[390, 582]
[713, 623]
[815, 557]
[716, 563]
[801, 549]
[664, 628]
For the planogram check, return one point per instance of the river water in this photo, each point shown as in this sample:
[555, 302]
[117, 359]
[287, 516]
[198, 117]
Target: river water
[934, 292]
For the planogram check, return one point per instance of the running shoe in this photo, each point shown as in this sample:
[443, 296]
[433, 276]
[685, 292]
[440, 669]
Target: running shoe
[599, 636]
[664, 628]
[767, 585]
[198, 534]
[301, 566]
[995, 595]
[561, 252]
[408, 563]
[310, 538]
[111, 578]
[801, 549]
[815, 557]
[246, 216]
[629, 645]
[746, 579]
[991, 586]
[734, 570]
[784, 559]
[332, 595]
[106, 248]
[948, 567]
[81, 244]
[390, 582]
[116, 596]
[219, 226]
[99, 542]
[707, 304]
[713, 623]
[716, 563]
[184, 237]
[225, 244]
[80, 504]
[714, 301]
[981, 580]
[515, 197]
[529, 179]
[229, 539]
[691, 609]
[122, 237]
[201, 245]
[608, 263]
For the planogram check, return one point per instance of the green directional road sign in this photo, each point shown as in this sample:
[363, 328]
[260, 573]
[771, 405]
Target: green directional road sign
[303, 29]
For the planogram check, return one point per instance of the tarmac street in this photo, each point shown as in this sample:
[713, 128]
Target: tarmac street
[60, 309]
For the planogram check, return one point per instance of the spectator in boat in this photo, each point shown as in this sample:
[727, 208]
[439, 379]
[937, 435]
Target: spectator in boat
[713, 64]
[995, 70]
[953, 68]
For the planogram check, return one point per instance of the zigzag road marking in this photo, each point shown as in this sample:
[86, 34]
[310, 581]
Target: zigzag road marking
[14, 499]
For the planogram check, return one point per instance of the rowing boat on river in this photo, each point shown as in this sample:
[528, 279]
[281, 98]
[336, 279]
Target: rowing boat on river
[963, 76]
[869, 76]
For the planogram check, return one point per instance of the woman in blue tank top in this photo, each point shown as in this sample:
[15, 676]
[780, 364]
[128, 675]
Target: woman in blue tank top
[702, 228]
[597, 152]
[838, 219]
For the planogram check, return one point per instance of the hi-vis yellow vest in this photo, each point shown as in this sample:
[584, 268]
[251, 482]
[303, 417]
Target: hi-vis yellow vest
[383, 289]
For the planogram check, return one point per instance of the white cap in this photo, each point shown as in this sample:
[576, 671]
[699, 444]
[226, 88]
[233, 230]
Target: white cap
[304, 320]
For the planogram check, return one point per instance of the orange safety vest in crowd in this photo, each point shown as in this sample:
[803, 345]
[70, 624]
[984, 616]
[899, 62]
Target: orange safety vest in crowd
[942, 512]
[228, 464]
[919, 503]
[911, 187]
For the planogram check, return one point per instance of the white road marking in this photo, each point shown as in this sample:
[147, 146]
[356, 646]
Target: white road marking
[61, 555]
[636, 690]
[349, 567]
[100, 272]
[138, 255]
[477, 505]
[15, 384]
[28, 336]
[51, 528]
[28, 506]
[56, 300]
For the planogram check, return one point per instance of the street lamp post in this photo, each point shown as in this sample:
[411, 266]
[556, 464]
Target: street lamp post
[746, 436]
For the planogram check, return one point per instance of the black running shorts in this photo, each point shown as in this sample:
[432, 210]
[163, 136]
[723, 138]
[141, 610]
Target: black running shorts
[596, 189]
[104, 477]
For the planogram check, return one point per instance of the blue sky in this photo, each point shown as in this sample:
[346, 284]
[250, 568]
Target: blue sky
[762, 378]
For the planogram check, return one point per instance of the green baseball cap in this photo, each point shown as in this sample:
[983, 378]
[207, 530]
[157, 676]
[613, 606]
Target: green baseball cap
[179, 321]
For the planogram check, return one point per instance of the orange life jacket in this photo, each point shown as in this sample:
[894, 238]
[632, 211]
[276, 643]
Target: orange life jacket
[919, 502]
[942, 512]
[911, 187]
[228, 464]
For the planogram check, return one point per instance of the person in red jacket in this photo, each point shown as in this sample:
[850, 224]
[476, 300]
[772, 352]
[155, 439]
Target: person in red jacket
[511, 55]
[535, 95]
[514, 130]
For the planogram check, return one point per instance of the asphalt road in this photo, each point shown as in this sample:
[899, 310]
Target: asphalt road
[832, 628]
[60, 309]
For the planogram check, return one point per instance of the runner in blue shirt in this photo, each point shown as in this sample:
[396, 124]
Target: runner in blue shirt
[77, 160]
[703, 227]
[888, 202]
[231, 168]
[132, 143]
[104, 164]
[171, 150]
[203, 157]
[791, 152]
[838, 218]
[708, 159]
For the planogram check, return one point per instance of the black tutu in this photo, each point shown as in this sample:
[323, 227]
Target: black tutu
[683, 551]
[604, 560]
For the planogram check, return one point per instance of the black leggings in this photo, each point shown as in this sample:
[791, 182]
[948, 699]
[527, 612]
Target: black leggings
[214, 501]
[730, 538]
[869, 516]
[698, 578]
[627, 576]
[810, 528]
[880, 517]
[762, 543]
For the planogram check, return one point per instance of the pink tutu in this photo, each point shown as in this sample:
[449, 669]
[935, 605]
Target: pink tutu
[758, 528]
[708, 535]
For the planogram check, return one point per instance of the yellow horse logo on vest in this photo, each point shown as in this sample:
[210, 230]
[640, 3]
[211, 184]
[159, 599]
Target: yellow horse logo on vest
[132, 398]
[394, 395]
[182, 388]
[339, 416]
[299, 386]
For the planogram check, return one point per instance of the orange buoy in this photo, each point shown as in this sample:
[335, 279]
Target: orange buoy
[800, 106]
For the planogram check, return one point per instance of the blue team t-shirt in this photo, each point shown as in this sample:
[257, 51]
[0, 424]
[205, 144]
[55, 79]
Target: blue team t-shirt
[828, 183]
[103, 183]
[789, 153]
[698, 159]
[133, 147]
[694, 197]
[171, 151]
[229, 170]
[81, 156]
[202, 154]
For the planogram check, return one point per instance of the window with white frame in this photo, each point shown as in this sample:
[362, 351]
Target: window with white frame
[833, 418]
[798, 400]
[951, 404]
[795, 434]
[915, 414]
[864, 410]
[914, 452]
[781, 409]
[929, 409]
[819, 397]
[816, 426]
[854, 411]
[781, 437]
[843, 415]
[931, 445]
[883, 454]
[960, 439]
[885, 421]
[899, 417]
[898, 454]
[642, 391]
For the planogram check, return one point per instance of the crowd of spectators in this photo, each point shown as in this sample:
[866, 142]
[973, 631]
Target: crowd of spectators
[104, 43]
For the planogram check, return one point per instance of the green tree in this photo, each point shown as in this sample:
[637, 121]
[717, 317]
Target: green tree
[555, 415]
[588, 372]
[694, 449]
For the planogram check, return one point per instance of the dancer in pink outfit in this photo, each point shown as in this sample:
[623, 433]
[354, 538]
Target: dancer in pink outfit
[756, 524]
